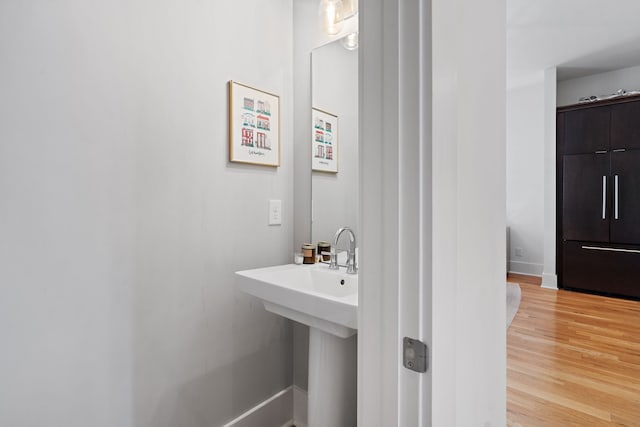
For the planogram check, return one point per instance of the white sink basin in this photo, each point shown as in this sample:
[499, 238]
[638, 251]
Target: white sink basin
[327, 301]
[310, 294]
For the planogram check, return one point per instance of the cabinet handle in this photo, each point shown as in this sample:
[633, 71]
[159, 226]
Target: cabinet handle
[599, 248]
[615, 197]
[604, 197]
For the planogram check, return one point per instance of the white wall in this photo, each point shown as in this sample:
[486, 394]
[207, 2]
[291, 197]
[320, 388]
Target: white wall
[571, 90]
[121, 220]
[525, 176]
[335, 90]
[469, 114]
[549, 274]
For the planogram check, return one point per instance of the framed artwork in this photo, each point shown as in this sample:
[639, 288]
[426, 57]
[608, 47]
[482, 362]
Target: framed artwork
[324, 141]
[254, 126]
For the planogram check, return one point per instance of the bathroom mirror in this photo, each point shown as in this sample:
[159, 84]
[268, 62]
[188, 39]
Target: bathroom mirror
[334, 91]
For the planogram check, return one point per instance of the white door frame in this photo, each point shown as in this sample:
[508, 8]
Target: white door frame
[432, 199]
[395, 217]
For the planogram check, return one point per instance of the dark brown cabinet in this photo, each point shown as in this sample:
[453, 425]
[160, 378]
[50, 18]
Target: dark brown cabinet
[598, 150]
[602, 269]
[625, 126]
[585, 200]
[625, 218]
[587, 131]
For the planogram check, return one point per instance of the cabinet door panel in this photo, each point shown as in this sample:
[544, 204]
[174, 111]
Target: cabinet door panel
[625, 125]
[584, 192]
[587, 130]
[625, 220]
[602, 268]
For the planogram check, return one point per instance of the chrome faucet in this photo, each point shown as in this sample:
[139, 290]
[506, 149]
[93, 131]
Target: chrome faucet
[351, 252]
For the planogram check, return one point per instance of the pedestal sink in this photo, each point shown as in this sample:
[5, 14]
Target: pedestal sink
[327, 301]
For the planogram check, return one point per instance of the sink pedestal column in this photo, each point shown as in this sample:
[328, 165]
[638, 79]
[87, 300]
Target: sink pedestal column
[332, 379]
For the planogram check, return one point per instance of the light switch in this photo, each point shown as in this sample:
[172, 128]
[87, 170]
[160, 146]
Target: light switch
[275, 212]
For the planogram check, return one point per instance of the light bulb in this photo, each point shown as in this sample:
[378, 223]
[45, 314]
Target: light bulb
[350, 8]
[330, 14]
[350, 42]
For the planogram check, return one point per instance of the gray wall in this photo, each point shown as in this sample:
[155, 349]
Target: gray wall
[121, 221]
[334, 75]
[525, 176]
[571, 90]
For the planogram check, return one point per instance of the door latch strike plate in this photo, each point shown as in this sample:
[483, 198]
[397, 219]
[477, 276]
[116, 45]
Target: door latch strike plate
[415, 355]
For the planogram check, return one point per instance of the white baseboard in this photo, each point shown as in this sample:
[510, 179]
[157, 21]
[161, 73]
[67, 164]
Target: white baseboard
[300, 405]
[528, 268]
[550, 281]
[275, 411]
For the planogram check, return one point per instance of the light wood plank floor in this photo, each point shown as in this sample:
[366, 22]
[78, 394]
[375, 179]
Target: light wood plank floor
[572, 359]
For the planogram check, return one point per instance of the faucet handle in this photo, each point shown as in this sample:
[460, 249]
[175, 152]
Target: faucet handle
[333, 264]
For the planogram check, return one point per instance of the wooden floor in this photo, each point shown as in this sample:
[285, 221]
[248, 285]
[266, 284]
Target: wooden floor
[572, 359]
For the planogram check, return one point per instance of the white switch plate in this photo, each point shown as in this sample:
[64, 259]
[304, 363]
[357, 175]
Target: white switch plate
[275, 212]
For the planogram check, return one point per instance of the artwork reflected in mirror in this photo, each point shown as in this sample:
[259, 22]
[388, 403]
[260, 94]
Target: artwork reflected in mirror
[334, 95]
[324, 141]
